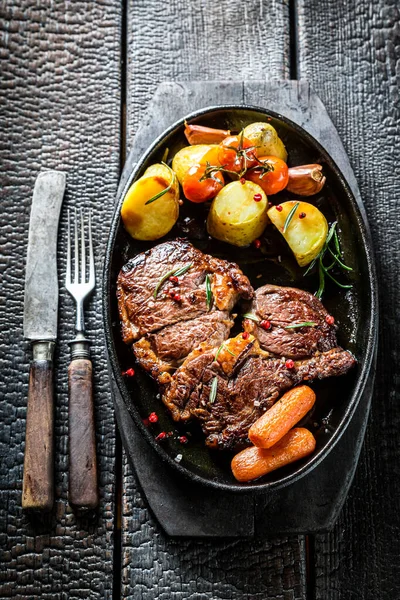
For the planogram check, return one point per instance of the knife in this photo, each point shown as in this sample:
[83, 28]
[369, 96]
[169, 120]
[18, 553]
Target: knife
[40, 327]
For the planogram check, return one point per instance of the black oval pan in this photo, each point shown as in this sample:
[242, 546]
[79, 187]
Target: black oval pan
[355, 311]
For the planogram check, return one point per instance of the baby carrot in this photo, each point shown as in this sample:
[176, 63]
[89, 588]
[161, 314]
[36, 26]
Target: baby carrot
[282, 416]
[254, 462]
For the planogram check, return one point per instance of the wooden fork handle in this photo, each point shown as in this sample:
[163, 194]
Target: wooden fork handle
[83, 490]
[38, 480]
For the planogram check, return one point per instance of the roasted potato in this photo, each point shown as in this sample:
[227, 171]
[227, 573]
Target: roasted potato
[154, 220]
[238, 214]
[188, 157]
[306, 233]
[266, 139]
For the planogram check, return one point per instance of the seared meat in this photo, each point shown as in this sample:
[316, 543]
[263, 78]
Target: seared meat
[248, 384]
[179, 329]
[141, 313]
[165, 349]
[283, 307]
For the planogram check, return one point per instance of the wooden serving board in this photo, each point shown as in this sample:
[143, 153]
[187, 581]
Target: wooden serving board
[313, 503]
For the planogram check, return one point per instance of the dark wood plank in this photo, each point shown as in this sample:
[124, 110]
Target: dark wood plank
[195, 41]
[60, 98]
[349, 52]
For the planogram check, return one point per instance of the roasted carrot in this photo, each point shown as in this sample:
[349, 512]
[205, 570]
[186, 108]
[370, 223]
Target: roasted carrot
[254, 462]
[282, 416]
[197, 134]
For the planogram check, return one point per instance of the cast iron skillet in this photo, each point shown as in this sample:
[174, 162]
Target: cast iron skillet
[355, 310]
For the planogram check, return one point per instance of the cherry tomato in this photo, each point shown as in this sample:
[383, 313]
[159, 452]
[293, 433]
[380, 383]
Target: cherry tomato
[271, 182]
[234, 154]
[198, 190]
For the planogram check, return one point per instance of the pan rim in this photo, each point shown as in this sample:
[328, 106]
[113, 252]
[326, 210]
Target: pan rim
[363, 375]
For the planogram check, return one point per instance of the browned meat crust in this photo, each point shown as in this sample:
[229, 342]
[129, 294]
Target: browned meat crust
[249, 386]
[283, 306]
[141, 313]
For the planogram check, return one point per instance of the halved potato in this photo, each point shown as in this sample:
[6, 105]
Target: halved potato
[188, 157]
[235, 217]
[265, 137]
[151, 221]
[305, 236]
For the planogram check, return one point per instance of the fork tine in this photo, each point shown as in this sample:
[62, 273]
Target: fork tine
[68, 269]
[76, 276]
[83, 250]
[91, 259]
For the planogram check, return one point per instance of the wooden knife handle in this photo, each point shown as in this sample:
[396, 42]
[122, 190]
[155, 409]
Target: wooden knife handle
[38, 481]
[83, 491]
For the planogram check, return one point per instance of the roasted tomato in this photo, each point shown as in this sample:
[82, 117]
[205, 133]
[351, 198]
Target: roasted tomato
[237, 153]
[272, 177]
[200, 183]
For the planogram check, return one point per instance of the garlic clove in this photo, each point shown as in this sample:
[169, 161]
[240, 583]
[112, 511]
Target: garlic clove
[306, 180]
[197, 134]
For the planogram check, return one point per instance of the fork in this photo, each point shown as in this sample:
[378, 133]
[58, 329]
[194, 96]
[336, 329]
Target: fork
[83, 491]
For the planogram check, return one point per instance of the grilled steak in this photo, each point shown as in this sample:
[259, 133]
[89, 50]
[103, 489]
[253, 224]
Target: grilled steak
[164, 350]
[173, 316]
[224, 383]
[248, 384]
[283, 307]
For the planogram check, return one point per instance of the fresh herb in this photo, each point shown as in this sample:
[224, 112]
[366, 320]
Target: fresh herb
[164, 191]
[183, 270]
[324, 270]
[209, 296]
[251, 317]
[213, 390]
[305, 324]
[223, 347]
[290, 217]
[173, 273]
[165, 155]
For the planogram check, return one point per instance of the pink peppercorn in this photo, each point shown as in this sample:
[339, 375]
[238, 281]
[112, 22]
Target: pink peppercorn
[257, 243]
[183, 439]
[245, 335]
[289, 364]
[257, 197]
[161, 436]
[265, 324]
[174, 279]
[302, 215]
[329, 319]
[128, 373]
[242, 180]
[279, 208]
[153, 418]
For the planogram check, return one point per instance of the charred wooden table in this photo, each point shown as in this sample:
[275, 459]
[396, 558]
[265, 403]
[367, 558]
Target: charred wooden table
[76, 79]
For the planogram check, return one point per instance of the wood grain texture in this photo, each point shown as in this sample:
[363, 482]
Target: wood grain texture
[350, 53]
[229, 40]
[60, 107]
[156, 567]
[184, 40]
[83, 492]
[38, 479]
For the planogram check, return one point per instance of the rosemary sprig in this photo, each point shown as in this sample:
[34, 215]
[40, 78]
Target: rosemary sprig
[183, 270]
[305, 324]
[164, 191]
[173, 272]
[251, 317]
[223, 347]
[209, 296]
[324, 270]
[290, 217]
[165, 155]
[213, 390]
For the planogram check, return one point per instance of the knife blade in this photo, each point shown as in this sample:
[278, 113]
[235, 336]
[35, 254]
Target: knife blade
[40, 327]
